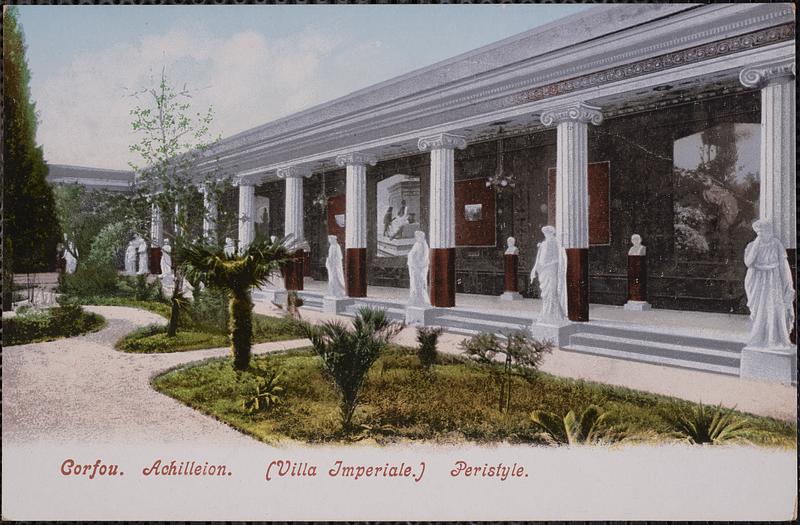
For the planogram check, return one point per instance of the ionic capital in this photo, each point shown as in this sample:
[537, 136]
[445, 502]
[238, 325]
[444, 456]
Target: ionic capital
[293, 172]
[760, 75]
[441, 141]
[578, 112]
[356, 159]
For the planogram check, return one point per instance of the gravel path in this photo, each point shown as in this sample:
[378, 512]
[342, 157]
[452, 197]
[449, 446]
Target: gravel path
[82, 389]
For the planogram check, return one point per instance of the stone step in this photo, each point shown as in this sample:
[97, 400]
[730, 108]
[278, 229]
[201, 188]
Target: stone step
[521, 320]
[656, 360]
[476, 325]
[676, 350]
[657, 335]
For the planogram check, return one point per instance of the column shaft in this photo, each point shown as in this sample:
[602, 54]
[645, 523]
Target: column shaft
[247, 194]
[293, 272]
[209, 213]
[356, 230]
[156, 239]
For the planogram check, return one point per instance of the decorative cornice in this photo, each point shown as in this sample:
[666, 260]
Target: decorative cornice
[579, 112]
[441, 141]
[762, 74]
[356, 159]
[293, 172]
[690, 55]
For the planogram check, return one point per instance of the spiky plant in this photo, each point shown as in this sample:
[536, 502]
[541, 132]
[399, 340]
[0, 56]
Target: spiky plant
[236, 275]
[571, 429]
[704, 424]
[347, 355]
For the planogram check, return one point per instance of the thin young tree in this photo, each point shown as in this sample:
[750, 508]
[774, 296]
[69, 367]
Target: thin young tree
[172, 139]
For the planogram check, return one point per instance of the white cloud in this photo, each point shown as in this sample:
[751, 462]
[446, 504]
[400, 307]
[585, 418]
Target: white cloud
[249, 80]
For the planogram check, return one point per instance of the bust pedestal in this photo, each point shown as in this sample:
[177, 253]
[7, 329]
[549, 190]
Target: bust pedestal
[777, 365]
[335, 305]
[637, 283]
[511, 288]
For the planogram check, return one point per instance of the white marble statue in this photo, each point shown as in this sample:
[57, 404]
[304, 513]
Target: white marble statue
[71, 260]
[144, 264]
[130, 258]
[230, 248]
[166, 258]
[418, 261]
[769, 289]
[511, 248]
[551, 268]
[637, 248]
[334, 266]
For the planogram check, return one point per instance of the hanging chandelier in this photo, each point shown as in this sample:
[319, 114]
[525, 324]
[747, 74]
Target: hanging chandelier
[321, 200]
[500, 180]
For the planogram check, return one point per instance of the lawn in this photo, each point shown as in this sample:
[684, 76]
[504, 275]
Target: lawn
[455, 403]
[33, 326]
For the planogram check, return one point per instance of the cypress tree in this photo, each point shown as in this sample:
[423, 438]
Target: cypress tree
[30, 227]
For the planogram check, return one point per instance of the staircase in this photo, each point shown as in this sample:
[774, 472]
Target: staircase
[311, 300]
[394, 311]
[660, 348]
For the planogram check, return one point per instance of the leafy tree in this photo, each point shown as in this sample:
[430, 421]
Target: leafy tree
[522, 354]
[30, 227]
[172, 138]
[347, 355]
[236, 274]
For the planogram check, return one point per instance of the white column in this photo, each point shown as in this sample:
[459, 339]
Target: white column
[293, 222]
[247, 192]
[156, 226]
[777, 202]
[356, 197]
[441, 210]
[209, 212]
[572, 160]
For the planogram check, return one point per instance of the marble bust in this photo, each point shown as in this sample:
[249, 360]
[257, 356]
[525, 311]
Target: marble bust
[512, 249]
[637, 248]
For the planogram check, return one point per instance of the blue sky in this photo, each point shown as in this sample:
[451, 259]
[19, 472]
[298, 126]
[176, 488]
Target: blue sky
[253, 64]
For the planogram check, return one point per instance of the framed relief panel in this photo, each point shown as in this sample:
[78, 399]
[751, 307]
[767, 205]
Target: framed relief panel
[599, 202]
[475, 213]
[397, 215]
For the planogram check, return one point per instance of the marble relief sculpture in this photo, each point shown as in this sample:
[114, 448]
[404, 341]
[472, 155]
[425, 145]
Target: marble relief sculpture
[144, 265]
[769, 289]
[551, 268]
[418, 260]
[637, 248]
[333, 264]
[130, 258]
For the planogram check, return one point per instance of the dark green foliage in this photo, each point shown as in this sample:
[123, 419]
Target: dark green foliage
[522, 353]
[266, 395]
[210, 310]
[63, 321]
[29, 219]
[588, 428]
[397, 403]
[347, 355]
[153, 339]
[703, 424]
[140, 288]
[427, 338]
[236, 275]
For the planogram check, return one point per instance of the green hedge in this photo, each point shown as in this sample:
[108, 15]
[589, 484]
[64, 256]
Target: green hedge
[63, 321]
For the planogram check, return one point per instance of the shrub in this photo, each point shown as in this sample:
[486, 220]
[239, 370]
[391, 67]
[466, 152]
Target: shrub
[523, 354]
[590, 427]
[153, 339]
[140, 288]
[427, 338]
[210, 310]
[267, 394]
[348, 355]
[62, 321]
[702, 424]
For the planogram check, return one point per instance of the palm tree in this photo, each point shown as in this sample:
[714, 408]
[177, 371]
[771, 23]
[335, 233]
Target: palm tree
[702, 424]
[571, 429]
[236, 275]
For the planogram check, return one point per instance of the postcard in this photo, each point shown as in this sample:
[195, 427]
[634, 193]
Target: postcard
[382, 262]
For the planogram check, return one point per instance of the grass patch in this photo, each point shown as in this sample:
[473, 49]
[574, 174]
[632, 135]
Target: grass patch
[457, 402]
[162, 309]
[153, 339]
[34, 326]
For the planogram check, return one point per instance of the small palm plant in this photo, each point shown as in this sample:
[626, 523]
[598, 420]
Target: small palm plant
[267, 394]
[236, 275]
[703, 424]
[571, 429]
[347, 355]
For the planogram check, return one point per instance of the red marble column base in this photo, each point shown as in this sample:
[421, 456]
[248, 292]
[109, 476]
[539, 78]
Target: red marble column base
[443, 277]
[154, 260]
[637, 277]
[307, 264]
[578, 284]
[791, 253]
[511, 263]
[355, 272]
[293, 271]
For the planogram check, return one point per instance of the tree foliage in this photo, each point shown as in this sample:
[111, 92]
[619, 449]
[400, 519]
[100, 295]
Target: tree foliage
[30, 228]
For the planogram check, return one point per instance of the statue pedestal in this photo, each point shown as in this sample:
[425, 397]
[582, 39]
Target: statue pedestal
[556, 332]
[335, 305]
[510, 282]
[776, 365]
[273, 295]
[637, 283]
[420, 315]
